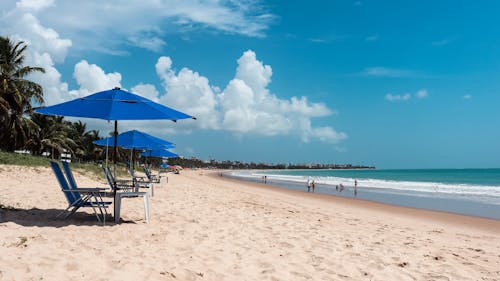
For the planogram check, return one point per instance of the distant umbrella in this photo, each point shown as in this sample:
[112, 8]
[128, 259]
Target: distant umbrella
[159, 153]
[136, 139]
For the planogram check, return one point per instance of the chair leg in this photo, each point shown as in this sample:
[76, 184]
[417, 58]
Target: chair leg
[93, 208]
[146, 207]
[118, 201]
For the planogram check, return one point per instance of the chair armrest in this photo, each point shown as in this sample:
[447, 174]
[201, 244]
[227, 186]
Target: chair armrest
[96, 189]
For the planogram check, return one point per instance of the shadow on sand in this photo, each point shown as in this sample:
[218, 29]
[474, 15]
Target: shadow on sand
[47, 218]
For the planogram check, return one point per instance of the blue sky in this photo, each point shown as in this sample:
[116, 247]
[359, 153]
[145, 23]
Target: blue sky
[395, 84]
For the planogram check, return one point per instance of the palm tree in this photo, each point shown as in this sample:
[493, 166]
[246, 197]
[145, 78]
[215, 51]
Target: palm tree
[86, 149]
[16, 94]
[52, 135]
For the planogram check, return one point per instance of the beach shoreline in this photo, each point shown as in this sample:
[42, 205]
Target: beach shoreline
[468, 200]
[204, 227]
[420, 213]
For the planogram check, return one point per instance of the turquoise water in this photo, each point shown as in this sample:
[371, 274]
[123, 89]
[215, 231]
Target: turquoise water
[465, 191]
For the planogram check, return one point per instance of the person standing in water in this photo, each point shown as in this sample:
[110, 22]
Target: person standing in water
[355, 188]
[313, 185]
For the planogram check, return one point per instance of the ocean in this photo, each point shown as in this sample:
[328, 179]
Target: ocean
[473, 192]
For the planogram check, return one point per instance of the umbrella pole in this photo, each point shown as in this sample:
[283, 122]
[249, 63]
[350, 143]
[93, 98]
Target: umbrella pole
[132, 162]
[115, 158]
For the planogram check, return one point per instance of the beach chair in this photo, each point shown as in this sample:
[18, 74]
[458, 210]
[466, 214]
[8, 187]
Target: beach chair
[125, 189]
[122, 185]
[152, 178]
[141, 182]
[80, 197]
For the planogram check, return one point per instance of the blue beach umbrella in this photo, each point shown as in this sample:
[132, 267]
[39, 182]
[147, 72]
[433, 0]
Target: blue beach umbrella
[115, 104]
[136, 140]
[159, 153]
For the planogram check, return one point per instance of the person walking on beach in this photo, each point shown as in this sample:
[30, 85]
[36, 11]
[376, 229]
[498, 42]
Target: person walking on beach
[313, 185]
[355, 188]
[308, 185]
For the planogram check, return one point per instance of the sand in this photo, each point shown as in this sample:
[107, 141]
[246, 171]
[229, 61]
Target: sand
[204, 227]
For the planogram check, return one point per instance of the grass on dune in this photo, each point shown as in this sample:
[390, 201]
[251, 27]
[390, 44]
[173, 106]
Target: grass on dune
[91, 169]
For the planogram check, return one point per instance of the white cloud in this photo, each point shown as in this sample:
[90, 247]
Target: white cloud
[152, 43]
[92, 78]
[35, 4]
[467, 97]
[245, 106]
[55, 91]
[27, 27]
[190, 92]
[421, 94]
[147, 90]
[379, 71]
[403, 97]
[104, 27]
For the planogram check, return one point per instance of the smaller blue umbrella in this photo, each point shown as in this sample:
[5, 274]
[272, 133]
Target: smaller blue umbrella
[159, 153]
[136, 140]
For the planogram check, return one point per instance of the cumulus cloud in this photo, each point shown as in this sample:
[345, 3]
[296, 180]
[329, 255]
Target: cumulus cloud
[190, 92]
[245, 105]
[92, 78]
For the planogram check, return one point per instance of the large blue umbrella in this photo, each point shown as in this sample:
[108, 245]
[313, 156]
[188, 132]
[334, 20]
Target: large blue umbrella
[136, 140]
[160, 153]
[115, 104]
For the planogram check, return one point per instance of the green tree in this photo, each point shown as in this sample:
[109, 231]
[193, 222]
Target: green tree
[16, 95]
[52, 136]
[86, 149]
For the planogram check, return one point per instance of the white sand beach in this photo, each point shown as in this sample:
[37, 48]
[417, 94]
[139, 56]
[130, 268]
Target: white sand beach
[204, 227]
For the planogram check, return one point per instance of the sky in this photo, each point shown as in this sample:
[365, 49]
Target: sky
[393, 84]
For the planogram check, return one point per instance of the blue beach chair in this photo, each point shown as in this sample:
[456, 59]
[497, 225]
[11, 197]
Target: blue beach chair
[80, 197]
[141, 182]
[152, 178]
[125, 189]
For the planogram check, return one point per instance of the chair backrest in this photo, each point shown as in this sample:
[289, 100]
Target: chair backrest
[147, 172]
[109, 177]
[69, 175]
[130, 170]
[70, 196]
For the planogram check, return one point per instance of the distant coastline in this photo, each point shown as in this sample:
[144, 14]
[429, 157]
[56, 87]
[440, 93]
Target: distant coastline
[238, 165]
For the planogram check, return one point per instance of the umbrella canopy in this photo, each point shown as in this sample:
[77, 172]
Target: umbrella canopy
[115, 104]
[135, 140]
[160, 153]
